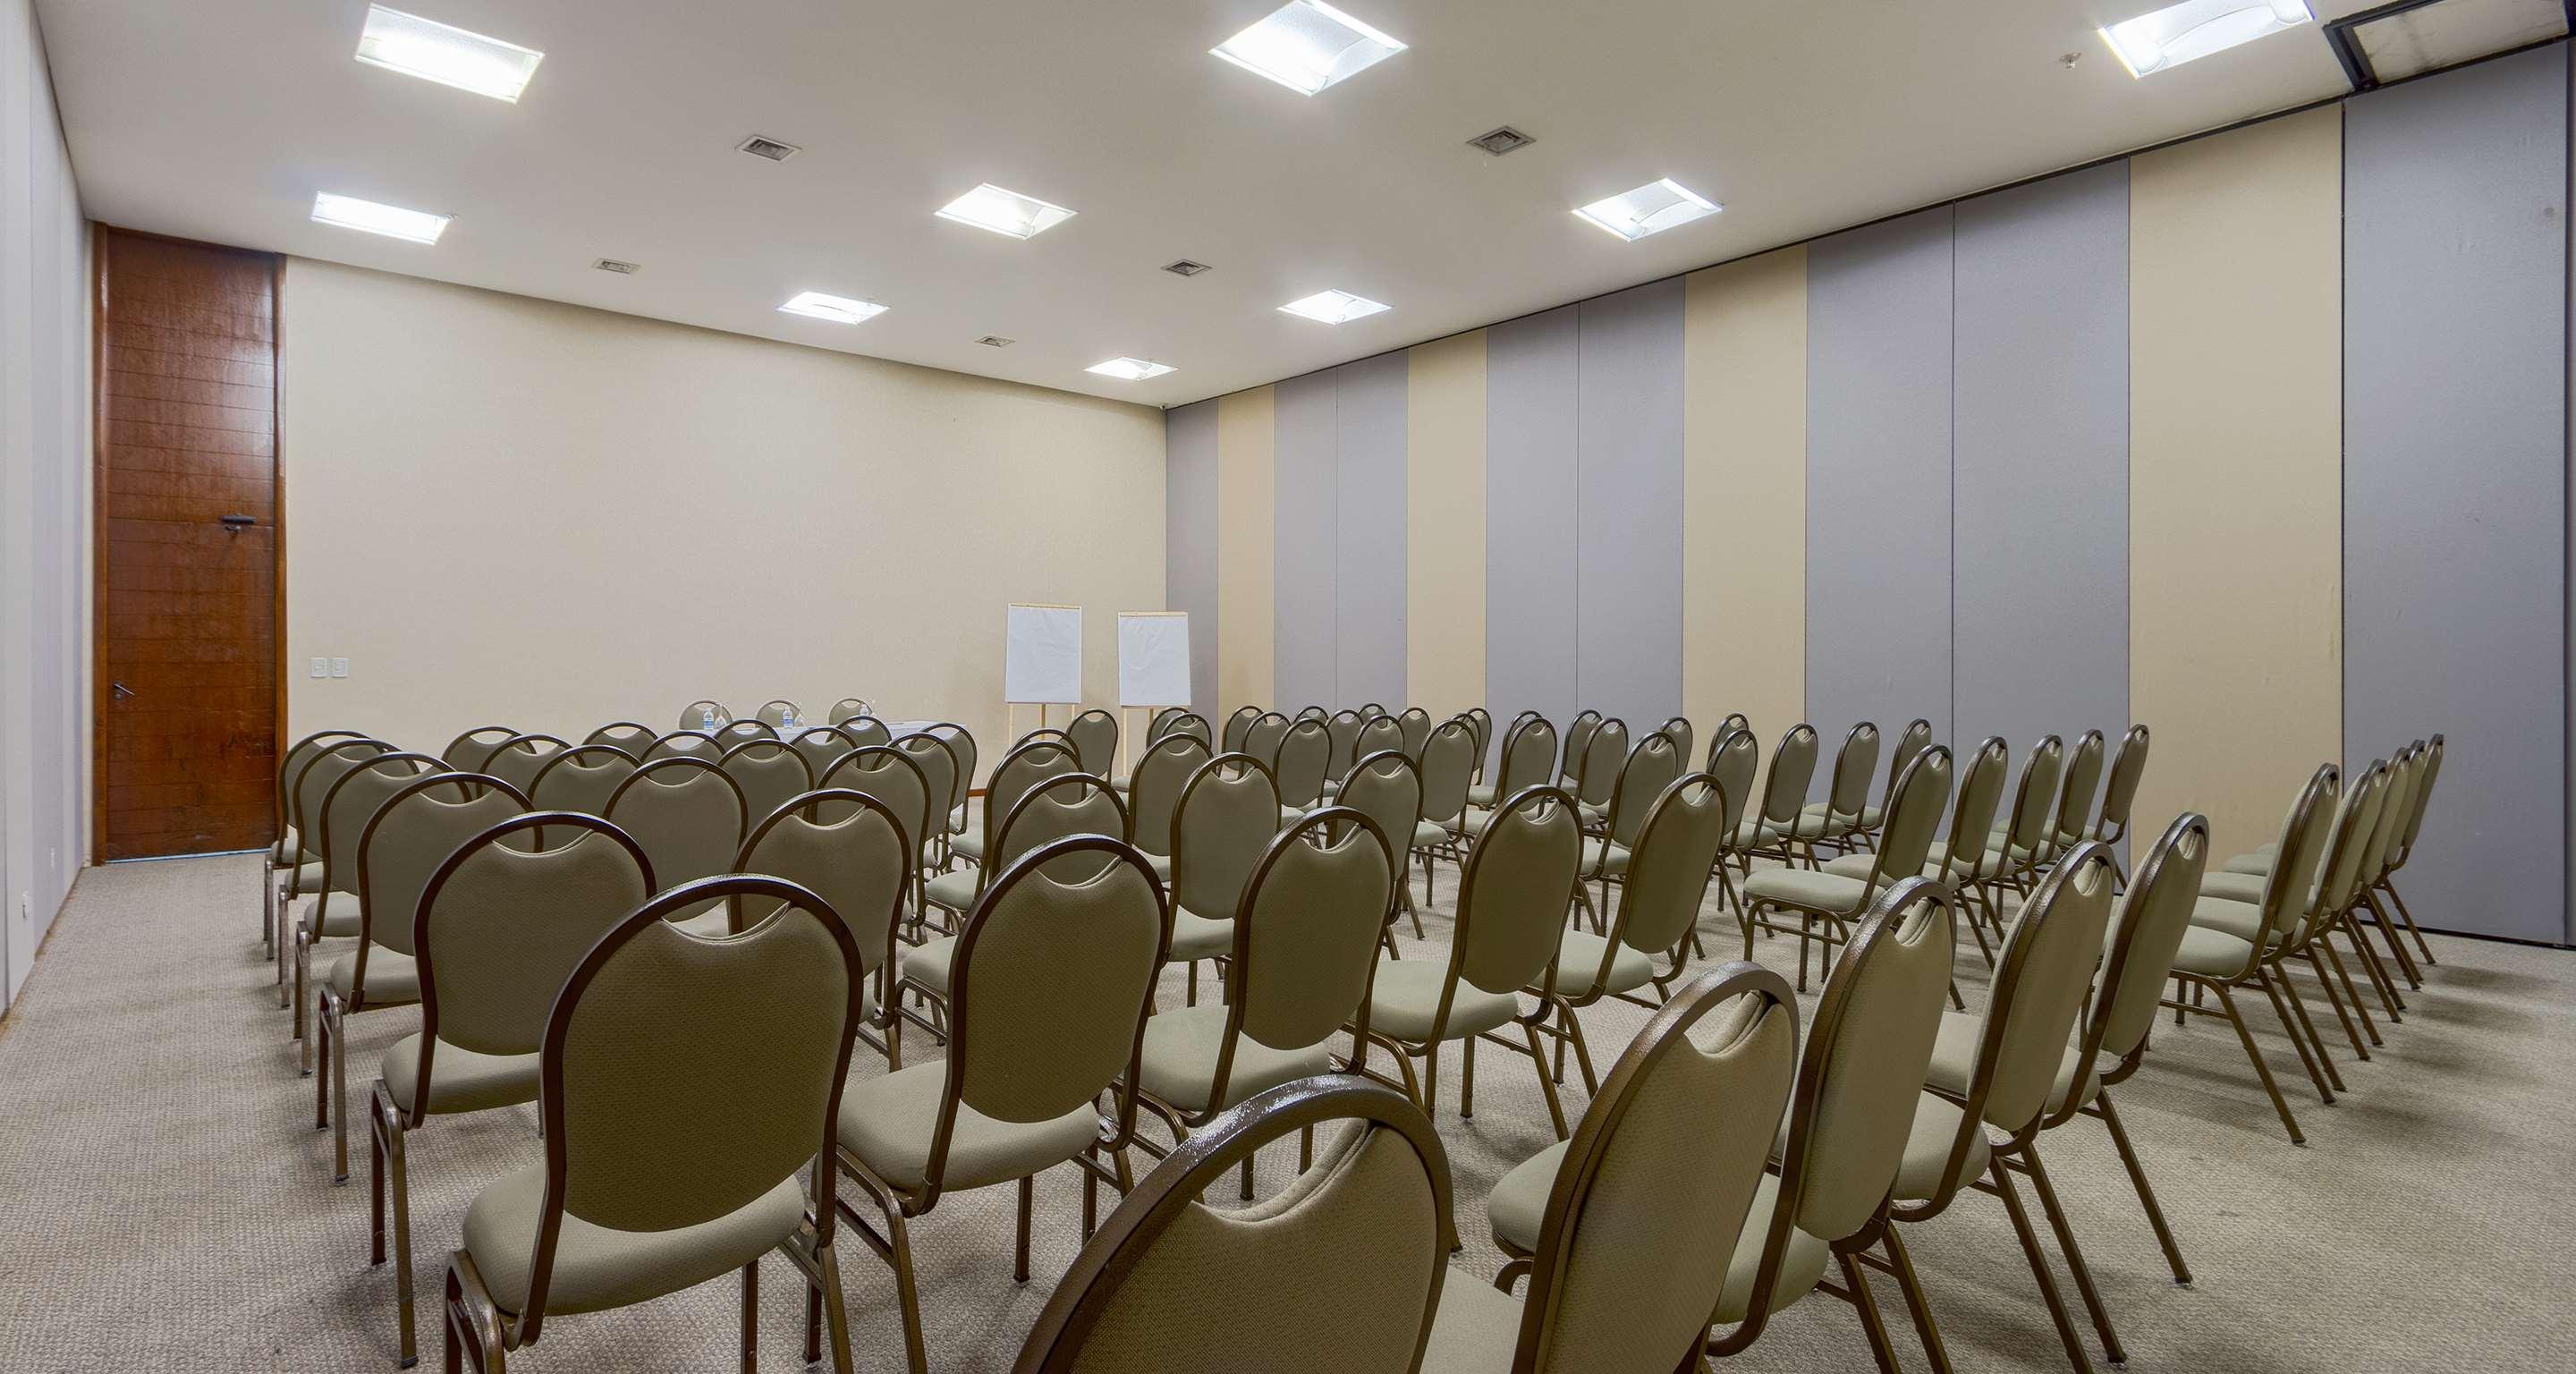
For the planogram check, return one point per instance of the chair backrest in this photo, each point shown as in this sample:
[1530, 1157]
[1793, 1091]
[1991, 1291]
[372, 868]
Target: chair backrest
[1912, 817]
[2403, 772]
[1229, 811]
[2140, 953]
[931, 756]
[1979, 796]
[1641, 1223]
[1733, 758]
[351, 802]
[1481, 722]
[2423, 796]
[1342, 733]
[1596, 775]
[1305, 753]
[1413, 727]
[2306, 831]
[866, 730]
[1048, 989]
[1529, 756]
[1910, 741]
[1095, 741]
[1154, 790]
[1643, 776]
[768, 772]
[2075, 794]
[1386, 788]
[467, 751]
[1261, 738]
[580, 778]
[858, 864]
[1340, 1270]
[704, 716]
[2120, 793]
[1306, 934]
[1678, 837]
[779, 711]
[685, 744]
[292, 765]
[1380, 733]
[1449, 761]
[631, 736]
[736, 732]
[821, 746]
[687, 815]
[2363, 802]
[313, 780]
[1064, 805]
[1238, 726]
[1161, 723]
[727, 1053]
[518, 759]
[894, 777]
[1029, 763]
[1847, 793]
[961, 746]
[847, 709]
[2043, 974]
[1578, 741]
[2032, 799]
[1793, 770]
[426, 819]
[1370, 710]
[1191, 724]
[1513, 897]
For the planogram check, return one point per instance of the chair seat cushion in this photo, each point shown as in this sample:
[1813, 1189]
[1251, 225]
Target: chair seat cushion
[1477, 1329]
[596, 1267]
[1518, 1204]
[2249, 863]
[2240, 919]
[1592, 860]
[1578, 961]
[925, 965]
[1196, 937]
[1802, 1265]
[1755, 831]
[887, 1122]
[343, 918]
[1807, 890]
[306, 875]
[1817, 820]
[1481, 795]
[954, 891]
[2235, 887]
[1162, 866]
[2212, 953]
[1180, 1060]
[969, 847]
[460, 1080]
[1427, 834]
[392, 979]
[715, 923]
[1406, 997]
[1927, 1149]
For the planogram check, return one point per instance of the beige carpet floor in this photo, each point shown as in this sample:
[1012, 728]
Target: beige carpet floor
[166, 1204]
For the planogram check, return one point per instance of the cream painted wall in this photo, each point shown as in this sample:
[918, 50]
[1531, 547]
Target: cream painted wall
[2235, 469]
[507, 510]
[1444, 506]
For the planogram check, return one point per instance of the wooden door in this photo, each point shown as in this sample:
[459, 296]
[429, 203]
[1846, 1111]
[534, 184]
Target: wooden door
[189, 548]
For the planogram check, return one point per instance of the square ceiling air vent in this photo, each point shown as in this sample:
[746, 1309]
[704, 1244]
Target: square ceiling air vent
[1503, 140]
[996, 341]
[623, 269]
[769, 148]
[1185, 268]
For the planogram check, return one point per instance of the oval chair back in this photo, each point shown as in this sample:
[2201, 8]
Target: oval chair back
[313, 781]
[730, 1053]
[1161, 723]
[2423, 797]
[1028, 764]
[2043, 974]
[426, 819]
[857, 864]
[1063, 806]
[821, 746]
[1387, 789]
[2402, 773]
[704, 716]
[1596, 776]
[1649, 769]
[687, 815]
[1228, 813]
[1261, 738]
[1448, 770]
[628, 735]
[1529, 757]
[1912, 740]
[742, 731]
[1641, 1224]
[1793, 771]
[351, 803]
[961, 745]
[289, 768]
[1513, 896]
[1095, 741]
[1847, 793]
[2140, 953]
[1912, 817]
[1578, 743]
[518, 759]
[1154, 793]
[2340, 880]
[1380, 733]
[1683, 737]
[1678, 837]
[685, 744]
[580, 778]
[779, 711]
[1192, 724]
[1733, 759]
[893, 777]
[863, 731]
[2306, 831]
[1305, 943]
[2026, 833]
[768, 772]
[2075, 793]
[1413, 725]
[933, 758]
[1342, 734]
[1168, 1279]
[467, 751]
[1480, 722]
[1979, 796]
[2120, 792]
[1238, 727]
[1305, 754]
[847, 709]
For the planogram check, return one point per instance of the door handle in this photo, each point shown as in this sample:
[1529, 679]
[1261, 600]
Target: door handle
[123, 692]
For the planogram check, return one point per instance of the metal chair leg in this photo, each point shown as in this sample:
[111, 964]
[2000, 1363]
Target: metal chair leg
[1866, 1306]
[2262, 1070]
[1909, 1284]
[2074, 1253]
[2138, 1179]
[2038, 1265]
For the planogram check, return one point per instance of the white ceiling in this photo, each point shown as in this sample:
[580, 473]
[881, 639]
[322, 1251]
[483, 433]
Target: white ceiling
[219, 119]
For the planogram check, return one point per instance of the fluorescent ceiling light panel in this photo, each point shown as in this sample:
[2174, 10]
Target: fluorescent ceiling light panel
[1306, 45]
[837, 309]
[1333, 307]
[1005, 212]
[392, 221]
[1128, 369]
[1650, 209]
[445, 54]
[2196, 28]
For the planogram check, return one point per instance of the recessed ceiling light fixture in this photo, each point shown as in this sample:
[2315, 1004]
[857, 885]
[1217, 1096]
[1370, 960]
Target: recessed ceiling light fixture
[1333, 307]
[1005, 212]
[837, 309]
[2196, 28]
[769, 148]
[1650, 209]
[392, 221]
[1128, 369]
[1500, 141]
[446, 54]
[1306, 45]
[1185, 268]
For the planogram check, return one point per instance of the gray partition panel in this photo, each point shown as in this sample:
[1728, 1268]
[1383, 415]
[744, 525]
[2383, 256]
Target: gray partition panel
[2455, 261]
[1371, 575]
[1190, 539]
[1628, 517]
[1306, 527]
[2041, 602]
[1878, 477]
[1530, 500]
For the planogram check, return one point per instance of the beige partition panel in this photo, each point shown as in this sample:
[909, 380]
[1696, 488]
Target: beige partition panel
[1445, 525]
[2235, 515]
[1246, 506]
[1744, 493]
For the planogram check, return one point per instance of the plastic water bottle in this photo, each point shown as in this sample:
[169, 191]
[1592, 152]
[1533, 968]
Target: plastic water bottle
[707, 720]
[791, 717]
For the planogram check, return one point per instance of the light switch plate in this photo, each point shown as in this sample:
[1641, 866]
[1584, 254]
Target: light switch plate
[321, 667]
[339, 667]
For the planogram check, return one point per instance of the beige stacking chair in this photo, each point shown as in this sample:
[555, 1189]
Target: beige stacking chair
[1972, 864]
[1094, 734]
[1261, 738]
[936, 760]
[304, 787]
[1380, 734]
[1733, 760]
[1678, 730]
[1528, 760]
[518, 759]
[1238, 726]
[1480, 723]
[2243, 880]
[1596, 773]
[290, 852]
[2212, 963]
[1029, 763]
[1770, 831]
[961, 745]
[741, 731]
[498, 917]
[821, 746]
[631, 736]
[1827, 904]
[1912, 740]
[729, 1054]
[1067, 804]
[1626, 1231]
[1300, 766]
[1306, 937]
[581, 778]
[848, 709]
[1835, 1164]
[1228, 813]
[896, 777]
[1051, 981]
[1448, 772]
[1342, 737]
[2414, 826]
[2075, 819]
[1995, 1079]
[866, 730]
[344, 811]
[1837, 821]
[2120, 791]
[1664, 876]
[848, 848]
[1154, 797]
[769, 773]
[1512, 898]
[1642, 777]
[1341, 1271]
[704, 716]
[689, 818]
[2025, 833]
[685, 744]
[467, 751]
[2399, 826]
[1386, 787]
[1413, 725]
[418, 824]
[779, 711]
[1160, 723]
[1578, 746]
